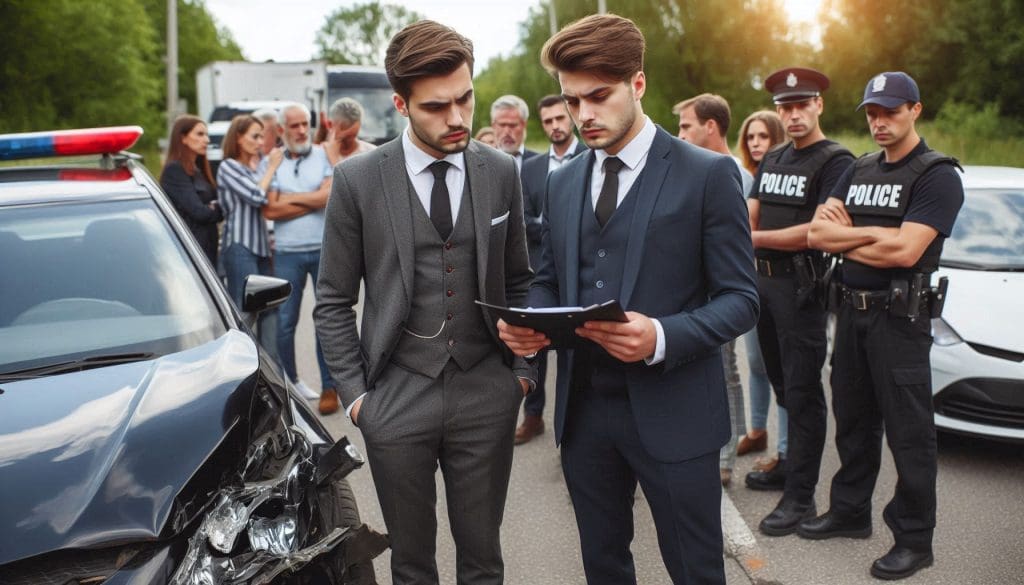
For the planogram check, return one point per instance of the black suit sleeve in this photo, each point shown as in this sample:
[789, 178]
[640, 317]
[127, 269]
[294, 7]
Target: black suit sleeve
[182, 193]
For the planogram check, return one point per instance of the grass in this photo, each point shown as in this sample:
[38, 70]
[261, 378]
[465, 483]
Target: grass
[970, 150]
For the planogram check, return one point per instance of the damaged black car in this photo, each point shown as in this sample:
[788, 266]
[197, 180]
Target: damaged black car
[145, 437]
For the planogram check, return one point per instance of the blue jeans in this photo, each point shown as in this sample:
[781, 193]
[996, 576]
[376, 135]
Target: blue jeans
[761, 392]
[295, 267]
[238, 263]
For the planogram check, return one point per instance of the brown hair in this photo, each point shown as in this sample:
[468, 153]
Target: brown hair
[708, 106]
[606, 45]
[548, 101]
[483, 132]
[425, 49]
[178, 152]
[776, 133]
[239, 127]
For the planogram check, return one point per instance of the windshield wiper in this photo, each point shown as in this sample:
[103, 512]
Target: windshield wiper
[86, 363]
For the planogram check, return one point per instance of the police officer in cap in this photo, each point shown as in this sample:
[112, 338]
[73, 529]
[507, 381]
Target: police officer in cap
[889, 216]
[792, 181]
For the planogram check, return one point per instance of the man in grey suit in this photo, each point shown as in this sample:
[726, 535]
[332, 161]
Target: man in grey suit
[430, 222]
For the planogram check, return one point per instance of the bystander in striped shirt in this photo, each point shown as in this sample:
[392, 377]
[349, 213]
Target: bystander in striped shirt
[242, 199]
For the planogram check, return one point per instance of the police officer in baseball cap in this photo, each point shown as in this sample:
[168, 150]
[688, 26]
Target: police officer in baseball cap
[901, 203]
[791, 182]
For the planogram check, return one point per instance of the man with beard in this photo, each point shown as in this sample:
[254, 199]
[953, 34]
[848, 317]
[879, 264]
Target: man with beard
[791, 182]
[344, 121]
[557, 125]
[657, 224]
[430, 221]
[508, 118]
[296, 203]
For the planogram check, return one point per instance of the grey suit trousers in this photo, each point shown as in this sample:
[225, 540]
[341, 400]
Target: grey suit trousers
[464, 422]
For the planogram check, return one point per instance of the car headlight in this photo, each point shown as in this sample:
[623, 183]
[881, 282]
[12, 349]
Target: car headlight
[280, 474]
[943, 335]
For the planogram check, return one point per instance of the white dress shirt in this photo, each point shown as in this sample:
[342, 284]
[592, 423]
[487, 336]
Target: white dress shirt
[416, 165]
[634, 159]
[555, 161]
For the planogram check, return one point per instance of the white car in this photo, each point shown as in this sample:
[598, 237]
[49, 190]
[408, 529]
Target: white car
[978, 353]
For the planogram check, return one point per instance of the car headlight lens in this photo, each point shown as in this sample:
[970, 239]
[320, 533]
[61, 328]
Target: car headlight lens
[943, 335]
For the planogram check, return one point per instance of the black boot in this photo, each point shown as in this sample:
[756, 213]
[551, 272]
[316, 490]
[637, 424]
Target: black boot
[786, 517]
[830, 525]
[900, 563]
[771, 480]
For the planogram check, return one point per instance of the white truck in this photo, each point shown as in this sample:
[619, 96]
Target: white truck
[223, 82]
[225, 89]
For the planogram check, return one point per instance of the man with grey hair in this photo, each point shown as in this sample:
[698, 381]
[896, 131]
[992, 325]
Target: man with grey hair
[344, 120]
[508, 118]
[296, 201]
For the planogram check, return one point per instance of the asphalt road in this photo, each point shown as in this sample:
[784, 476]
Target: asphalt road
[979, 539]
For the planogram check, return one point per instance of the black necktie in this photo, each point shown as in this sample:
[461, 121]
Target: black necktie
[606, 201]
[440, 202]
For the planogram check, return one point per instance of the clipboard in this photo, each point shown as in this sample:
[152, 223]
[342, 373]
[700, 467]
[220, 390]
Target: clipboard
[559, 323]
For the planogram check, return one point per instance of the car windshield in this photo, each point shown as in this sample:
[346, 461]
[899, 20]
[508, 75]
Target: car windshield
[381, 121]
[96, 281]
[989, 232]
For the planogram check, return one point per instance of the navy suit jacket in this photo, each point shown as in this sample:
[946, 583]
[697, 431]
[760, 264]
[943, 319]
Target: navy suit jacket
[689, 263]
[535, 176]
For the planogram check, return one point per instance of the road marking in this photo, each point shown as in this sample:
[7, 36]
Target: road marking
[741, 545]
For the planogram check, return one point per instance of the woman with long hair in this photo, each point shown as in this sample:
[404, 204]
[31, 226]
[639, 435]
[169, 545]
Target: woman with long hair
[242, 193]
[760, 132]
[187, 180]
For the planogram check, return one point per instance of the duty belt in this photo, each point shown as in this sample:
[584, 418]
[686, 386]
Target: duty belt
[870, 300]
[864, 300]
[775, 267]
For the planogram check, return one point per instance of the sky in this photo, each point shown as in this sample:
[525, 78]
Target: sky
[492, 25]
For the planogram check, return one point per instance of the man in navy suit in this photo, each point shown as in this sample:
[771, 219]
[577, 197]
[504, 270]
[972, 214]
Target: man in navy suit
[557, 126]
[659, 225]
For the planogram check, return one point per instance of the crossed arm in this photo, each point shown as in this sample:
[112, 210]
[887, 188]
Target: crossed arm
[282, 206]
[790, 239]
[832, 230]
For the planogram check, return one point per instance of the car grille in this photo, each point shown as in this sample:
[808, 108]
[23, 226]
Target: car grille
[1005, 354]
[992, 401]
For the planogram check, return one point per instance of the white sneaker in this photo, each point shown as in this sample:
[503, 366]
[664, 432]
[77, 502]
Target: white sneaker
[305, 391]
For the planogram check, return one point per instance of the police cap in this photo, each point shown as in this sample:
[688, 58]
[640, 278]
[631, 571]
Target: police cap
[890, 90]
[795, 84]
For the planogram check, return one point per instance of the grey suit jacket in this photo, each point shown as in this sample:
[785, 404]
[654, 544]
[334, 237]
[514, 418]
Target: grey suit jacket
[368, 237]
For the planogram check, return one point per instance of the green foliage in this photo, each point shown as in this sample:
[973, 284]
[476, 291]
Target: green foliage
[359, 35]
[1000, 149]
[68, 64]
[199, 42]
[73, 64]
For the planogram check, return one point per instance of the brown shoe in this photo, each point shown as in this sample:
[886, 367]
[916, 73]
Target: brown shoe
[766, 464]
[328, 401]
[531, 426]
[726, 475]
[748, 445]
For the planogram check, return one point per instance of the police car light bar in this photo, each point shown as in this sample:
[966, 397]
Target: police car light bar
[68, 142]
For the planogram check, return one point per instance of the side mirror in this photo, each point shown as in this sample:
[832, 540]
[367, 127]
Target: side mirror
[264, 292]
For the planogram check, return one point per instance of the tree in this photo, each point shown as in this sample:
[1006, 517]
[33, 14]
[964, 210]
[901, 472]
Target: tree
[360, 35]
[74, 64]
[693, 46]
[200, 41]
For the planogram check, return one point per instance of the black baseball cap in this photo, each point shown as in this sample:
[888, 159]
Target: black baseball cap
[795, 84]
[890, 90]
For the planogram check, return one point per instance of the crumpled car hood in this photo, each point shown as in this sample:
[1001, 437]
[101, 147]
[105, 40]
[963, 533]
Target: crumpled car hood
[96, 457]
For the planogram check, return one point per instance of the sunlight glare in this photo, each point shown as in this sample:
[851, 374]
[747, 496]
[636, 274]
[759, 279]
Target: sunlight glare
[802, 11]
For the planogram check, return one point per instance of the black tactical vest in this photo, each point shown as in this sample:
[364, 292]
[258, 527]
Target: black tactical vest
[881, 198]
[784, 190]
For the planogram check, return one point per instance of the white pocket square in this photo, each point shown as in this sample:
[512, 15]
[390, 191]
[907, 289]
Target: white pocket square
[500, 218]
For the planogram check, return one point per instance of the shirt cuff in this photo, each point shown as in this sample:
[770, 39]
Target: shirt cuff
[348, 411]
[659, 348]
